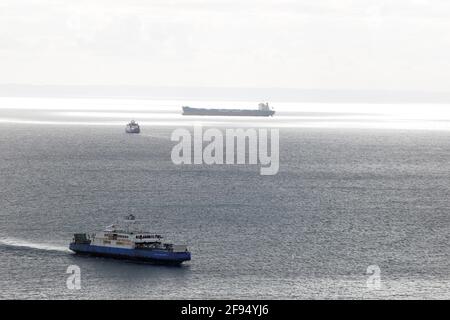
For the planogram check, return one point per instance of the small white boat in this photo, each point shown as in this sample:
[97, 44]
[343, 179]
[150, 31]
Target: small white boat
[132, 127]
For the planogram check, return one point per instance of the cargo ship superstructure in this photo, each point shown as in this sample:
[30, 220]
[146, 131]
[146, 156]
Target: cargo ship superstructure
[263, 111]
[125, 242]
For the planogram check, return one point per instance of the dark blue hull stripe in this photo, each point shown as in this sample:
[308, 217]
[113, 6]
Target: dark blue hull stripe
[155, 256]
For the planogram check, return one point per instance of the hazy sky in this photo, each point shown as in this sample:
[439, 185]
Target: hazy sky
[319, 44]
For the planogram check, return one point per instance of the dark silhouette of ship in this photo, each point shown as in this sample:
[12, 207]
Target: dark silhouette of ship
[263, 111]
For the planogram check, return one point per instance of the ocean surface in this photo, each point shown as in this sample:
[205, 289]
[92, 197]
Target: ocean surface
[354, 189]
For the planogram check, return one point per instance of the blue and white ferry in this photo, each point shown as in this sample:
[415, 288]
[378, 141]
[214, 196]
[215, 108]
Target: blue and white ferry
[124, 242]
[132, 127]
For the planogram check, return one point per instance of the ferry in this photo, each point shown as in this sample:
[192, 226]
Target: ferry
[132, 127]
[125, 242]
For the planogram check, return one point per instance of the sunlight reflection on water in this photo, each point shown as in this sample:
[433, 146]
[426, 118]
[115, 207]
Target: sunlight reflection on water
[116, 112]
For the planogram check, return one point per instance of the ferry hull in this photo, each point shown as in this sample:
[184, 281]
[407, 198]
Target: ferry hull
[149, 256]
[132, 130]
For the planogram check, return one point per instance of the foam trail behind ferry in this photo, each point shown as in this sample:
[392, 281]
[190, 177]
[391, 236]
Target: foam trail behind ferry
[12, 242]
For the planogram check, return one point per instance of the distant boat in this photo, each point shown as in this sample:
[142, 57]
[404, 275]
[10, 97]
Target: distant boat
[126, 242]
[132, 127]
[263, 111]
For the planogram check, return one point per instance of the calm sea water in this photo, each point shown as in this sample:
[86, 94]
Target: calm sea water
[344, 199]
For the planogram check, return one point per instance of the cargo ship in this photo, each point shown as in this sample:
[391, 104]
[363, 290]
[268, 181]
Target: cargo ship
[123, 241]
[132, 127]
[263, 111]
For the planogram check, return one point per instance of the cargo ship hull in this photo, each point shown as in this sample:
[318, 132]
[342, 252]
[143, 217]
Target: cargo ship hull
[142, 255]
[188, 111]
